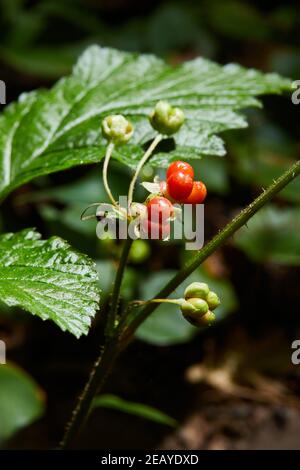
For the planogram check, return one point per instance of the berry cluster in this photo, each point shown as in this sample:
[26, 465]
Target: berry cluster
[198, 304]
[157, 211]
[179, 187]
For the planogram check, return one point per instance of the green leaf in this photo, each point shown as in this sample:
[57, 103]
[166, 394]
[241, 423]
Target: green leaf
[21, 401]
[166, 326]
[273, 234]
[49, 279]
[48, 131]
[133, 408]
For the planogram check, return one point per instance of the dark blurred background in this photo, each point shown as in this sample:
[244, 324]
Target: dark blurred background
[233, 385]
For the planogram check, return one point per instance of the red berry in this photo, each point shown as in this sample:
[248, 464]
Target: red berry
[179, 185]
[198, 193]
[184, 167]
[159, 210]
[155, 231]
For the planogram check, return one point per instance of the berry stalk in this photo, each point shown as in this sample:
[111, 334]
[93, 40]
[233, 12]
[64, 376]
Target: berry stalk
[141, 163]
[109, 151]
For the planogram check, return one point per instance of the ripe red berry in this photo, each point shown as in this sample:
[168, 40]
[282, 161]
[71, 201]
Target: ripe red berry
[198, 193]
[184, 167]
[159, 210]
[179, 186]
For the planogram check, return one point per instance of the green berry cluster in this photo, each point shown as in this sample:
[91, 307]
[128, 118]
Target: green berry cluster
[198, 303]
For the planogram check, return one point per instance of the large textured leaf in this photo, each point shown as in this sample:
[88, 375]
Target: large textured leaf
[21, 400]
[47, 131]
[48, 279]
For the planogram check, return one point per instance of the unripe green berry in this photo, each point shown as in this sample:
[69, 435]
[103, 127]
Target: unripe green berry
[213, 300]
[193, 310]
[199, 304]
[207, 319]
[166, 119]
[187, 308]
[196, 289]
[117, 129]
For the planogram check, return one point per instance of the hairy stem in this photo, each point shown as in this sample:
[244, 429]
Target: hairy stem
[120, 339]
[97, 378]
[104, 363]
[109, 151]
[111, 318]
[141, 163]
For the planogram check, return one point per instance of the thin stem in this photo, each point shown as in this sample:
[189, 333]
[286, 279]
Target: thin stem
[240, 220]
[97, 378]
[110, 325]
[138, 303]
[109, 151]
[104, 363]
[141, 163]
[120, 340]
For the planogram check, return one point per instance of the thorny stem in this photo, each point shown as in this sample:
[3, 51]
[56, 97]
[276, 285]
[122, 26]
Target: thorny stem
[109, 151]
[141, 163]
[120, 340]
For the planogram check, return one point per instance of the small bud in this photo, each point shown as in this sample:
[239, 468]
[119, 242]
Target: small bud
[193, 310]
[213, 300]
[166, 119]
[117, 129]
[197, 290]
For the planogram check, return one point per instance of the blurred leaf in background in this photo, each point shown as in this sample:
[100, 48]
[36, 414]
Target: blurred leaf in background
[21, 400]
[107, 270]
[263, 155]
[237, 20]
[272, 235]
[173, 29]
[114, 402]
